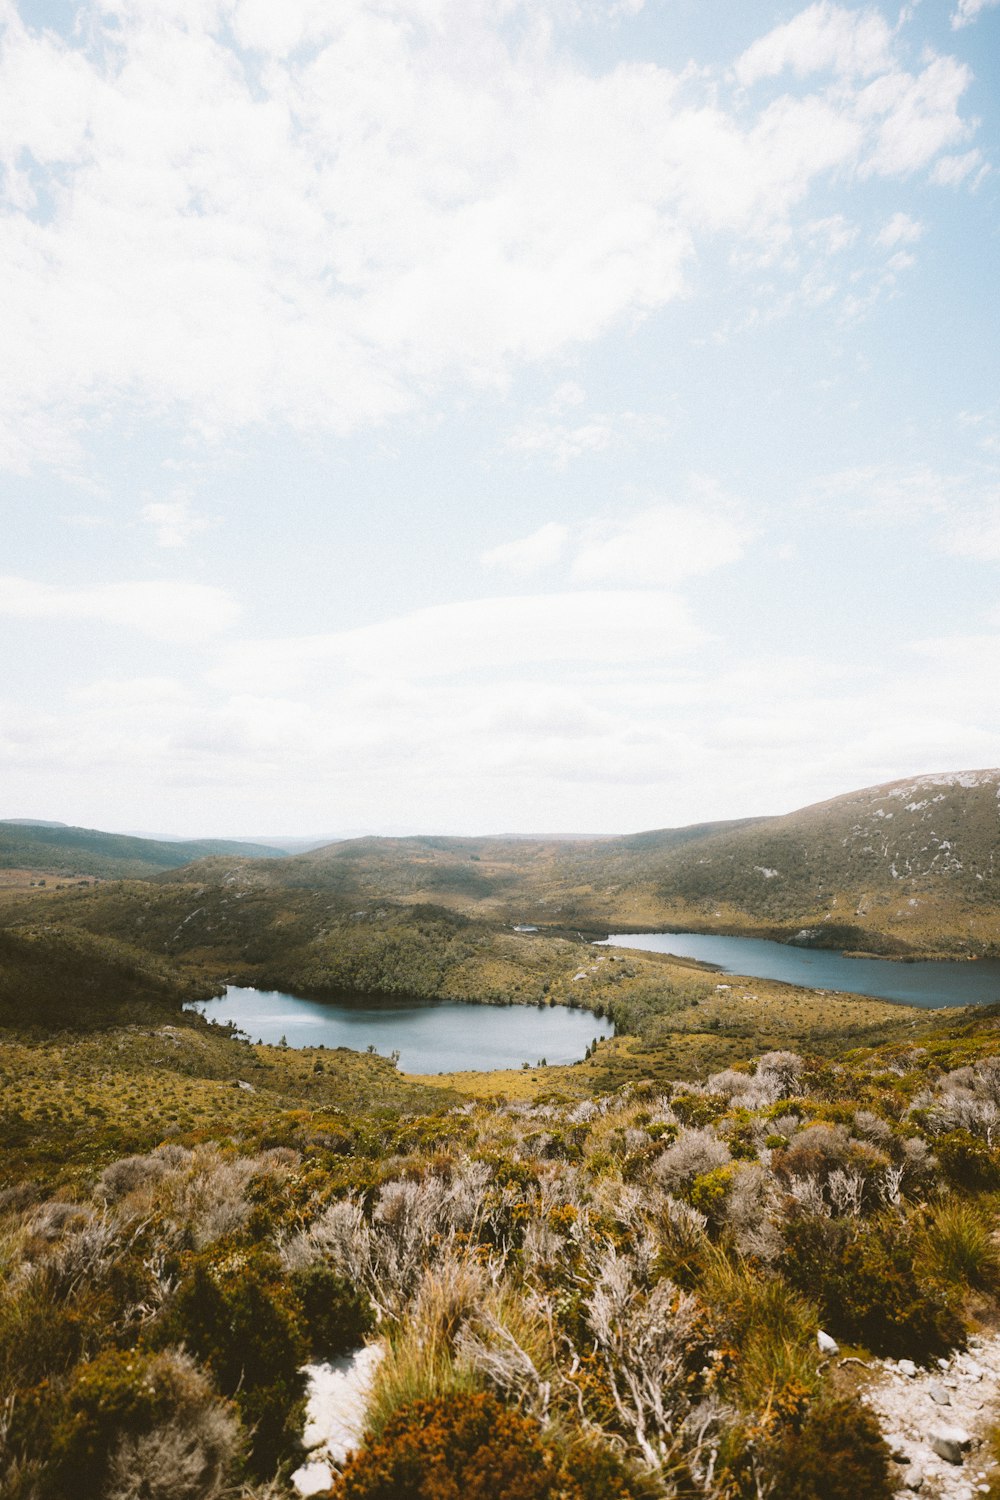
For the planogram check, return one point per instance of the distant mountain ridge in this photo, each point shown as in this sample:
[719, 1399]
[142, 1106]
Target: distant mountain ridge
[60, 849]
[33, 823]
[910, 866]
[913, 863]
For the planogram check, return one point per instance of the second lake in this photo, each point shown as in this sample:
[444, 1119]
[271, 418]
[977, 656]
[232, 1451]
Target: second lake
[931, 983]
[430, 1036]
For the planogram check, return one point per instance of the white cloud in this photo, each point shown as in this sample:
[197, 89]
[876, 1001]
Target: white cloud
[953, 512]
[561, 442]
[145, 695]
[661, 545]
[899, 230]
[367, 202]
[174, 522]
[892, 493]
[548, 432]
[832, 234]
[185, 613]
[517, 739]
[915, 116]
[968, 11]
[950, 171]
[652, 548]
[514, 634]
[822, 37]
[531, 553]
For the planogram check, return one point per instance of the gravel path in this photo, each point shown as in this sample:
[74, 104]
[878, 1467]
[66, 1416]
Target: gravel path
[933, 1420]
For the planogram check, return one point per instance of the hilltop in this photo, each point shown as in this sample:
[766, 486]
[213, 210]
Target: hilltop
[59, 850]
[906, 866]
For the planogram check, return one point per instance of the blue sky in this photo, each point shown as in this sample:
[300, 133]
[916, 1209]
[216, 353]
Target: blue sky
[456, 416]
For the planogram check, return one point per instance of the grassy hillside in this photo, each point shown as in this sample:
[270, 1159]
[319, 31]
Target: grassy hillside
[71, 1102]
[59, 851]
[493, 877]
[904, 860]
[589, 1293]
[911, 866]
[58, 976]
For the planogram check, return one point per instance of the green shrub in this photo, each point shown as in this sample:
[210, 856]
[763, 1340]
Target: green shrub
[958, 1247]
[471, 1447]
[768, 1329]
[698, 1109]
[709, 1191]
[335, 1314]
[868, 1288]
[121, 1412]
[967, 1162]
[241, 1321]
[835, 1452]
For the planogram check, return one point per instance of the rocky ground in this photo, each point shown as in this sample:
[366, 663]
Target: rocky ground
[336, 1395]
[934, 1420]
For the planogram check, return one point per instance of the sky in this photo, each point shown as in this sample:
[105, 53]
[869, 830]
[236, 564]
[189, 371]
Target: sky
[471, 416]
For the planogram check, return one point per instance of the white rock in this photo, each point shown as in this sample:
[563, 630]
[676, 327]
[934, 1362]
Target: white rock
[906, 1367]
[313, 1478]
[951, 1443]
[913, 1479]
[336, 1398]
[827, 1345]
[938, 1394]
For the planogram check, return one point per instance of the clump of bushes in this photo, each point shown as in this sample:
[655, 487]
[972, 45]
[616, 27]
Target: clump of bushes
[967, 1162]
[241, 1321]
[335, 1314]
[693, 1154]
[471, 1447]
[831, 1449]
[133, 1424]
[868, 1286]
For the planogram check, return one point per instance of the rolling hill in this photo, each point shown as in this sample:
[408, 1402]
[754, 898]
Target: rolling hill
[907, 868]
[910, 864]
[59, 850]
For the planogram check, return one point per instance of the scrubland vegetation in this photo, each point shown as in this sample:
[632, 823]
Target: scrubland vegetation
[589, 1282]
[583, 1294]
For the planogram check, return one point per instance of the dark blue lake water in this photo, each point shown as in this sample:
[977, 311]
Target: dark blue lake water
[928, 984]
[430, 1036]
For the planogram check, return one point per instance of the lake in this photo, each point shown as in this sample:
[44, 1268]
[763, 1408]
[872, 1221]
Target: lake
[431, 1036]
[933, 983]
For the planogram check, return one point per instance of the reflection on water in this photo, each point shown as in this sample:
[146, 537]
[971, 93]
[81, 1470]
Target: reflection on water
[430, 1036]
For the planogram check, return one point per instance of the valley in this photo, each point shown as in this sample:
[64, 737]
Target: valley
[627, 1264]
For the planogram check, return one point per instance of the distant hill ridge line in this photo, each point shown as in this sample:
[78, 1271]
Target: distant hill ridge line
[907, 865]
[69, 851]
